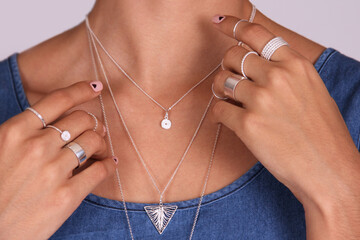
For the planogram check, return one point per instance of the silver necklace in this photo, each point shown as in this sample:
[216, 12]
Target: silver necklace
[159, 215]
[165, 123]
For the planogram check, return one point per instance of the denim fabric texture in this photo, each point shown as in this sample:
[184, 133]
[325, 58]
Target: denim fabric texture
[255, 206]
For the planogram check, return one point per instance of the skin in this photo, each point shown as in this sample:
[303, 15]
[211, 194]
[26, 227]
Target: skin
[144, 51]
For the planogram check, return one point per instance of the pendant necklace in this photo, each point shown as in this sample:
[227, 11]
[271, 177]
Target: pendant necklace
[165, 123]
[160, 215]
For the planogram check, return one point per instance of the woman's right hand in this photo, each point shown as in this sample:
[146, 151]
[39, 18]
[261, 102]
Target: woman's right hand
[38, 190]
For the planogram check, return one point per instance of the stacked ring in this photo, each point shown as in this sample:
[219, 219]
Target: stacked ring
[271, 47]
[231, 84]
[78, 151]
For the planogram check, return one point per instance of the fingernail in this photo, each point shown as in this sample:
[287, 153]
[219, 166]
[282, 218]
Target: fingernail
[97, 86]
[115, 160]
[104, 128]
[218, 18]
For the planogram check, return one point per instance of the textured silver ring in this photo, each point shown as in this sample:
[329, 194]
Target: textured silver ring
[38, 115]
[243, 62]
[78, 151]
[221, 98]
[96, 121]
[236, 25]
[65, 135]
[272, 46]
[230, 86]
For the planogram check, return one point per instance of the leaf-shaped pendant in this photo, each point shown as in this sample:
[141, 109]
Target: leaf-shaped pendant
[160, 215]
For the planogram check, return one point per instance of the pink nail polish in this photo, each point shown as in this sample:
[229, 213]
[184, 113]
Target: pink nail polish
[116, 160]
[218, 18]
[96, 86]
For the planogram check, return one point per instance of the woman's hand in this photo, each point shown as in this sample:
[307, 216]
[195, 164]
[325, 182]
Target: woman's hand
[38, 191]
[289, 121]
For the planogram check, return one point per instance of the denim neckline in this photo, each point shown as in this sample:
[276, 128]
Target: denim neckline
[222, 193]
[236, 185]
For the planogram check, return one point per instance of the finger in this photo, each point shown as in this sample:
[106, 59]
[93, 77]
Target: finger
[93, 145]
[253, 66]
[229, 115]
[244, 89]
[85, 181]
[75, 123]
[254, 35]
[53, 105]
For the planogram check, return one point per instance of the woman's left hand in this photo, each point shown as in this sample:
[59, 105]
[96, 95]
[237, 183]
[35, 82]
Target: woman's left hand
[288, 119]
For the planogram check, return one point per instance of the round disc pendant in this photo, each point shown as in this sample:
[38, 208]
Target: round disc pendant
[65, 135]
[166, 124]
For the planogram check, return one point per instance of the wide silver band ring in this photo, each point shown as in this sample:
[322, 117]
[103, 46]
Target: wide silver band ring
[95, 119]
[221, 98]
[230, 86]
[243, 62]
[272, 46]
[78, 151]
[38, 115]
[64, 135]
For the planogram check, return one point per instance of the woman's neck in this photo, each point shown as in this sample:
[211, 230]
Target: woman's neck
[164, 42]
[159, 43]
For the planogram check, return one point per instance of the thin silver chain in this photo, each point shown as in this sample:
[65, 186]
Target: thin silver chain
[89, 30]
[113, 153]
[109, 138]
[161, 193]
[137, 85]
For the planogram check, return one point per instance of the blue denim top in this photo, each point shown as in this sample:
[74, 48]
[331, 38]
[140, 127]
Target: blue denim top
[255, 206]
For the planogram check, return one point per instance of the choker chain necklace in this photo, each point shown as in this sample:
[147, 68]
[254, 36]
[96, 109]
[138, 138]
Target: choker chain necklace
[160, 215]
[165, 123]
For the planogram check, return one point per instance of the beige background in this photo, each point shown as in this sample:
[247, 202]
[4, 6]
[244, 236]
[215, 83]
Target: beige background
[333, 23]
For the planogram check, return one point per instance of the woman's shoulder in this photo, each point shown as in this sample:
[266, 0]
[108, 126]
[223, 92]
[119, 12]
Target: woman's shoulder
[12, 95]
[333, 65]
[341, 75]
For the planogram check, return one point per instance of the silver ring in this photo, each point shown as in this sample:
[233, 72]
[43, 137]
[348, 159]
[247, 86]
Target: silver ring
[222, 64]
[78, 151]
[96, 121]
[231, 84]
[243, 62]
[221, 98]
[38, 115]
[65, 135]
[272, 46]
[253, 13]
[236, 25]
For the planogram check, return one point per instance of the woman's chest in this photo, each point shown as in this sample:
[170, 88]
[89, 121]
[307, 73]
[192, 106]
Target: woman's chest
[177, 160]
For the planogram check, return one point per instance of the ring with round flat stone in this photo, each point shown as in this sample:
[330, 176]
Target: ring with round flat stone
[65, 135]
